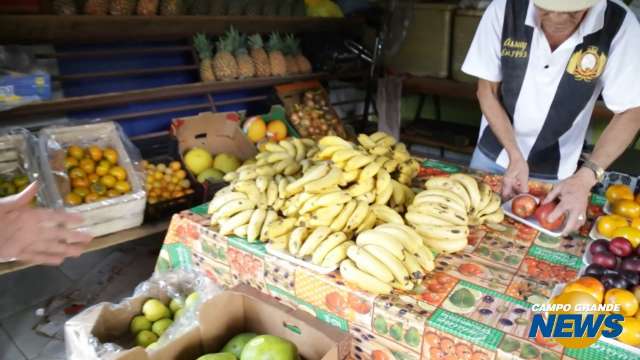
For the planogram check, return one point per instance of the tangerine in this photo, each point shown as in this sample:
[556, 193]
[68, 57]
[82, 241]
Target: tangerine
[276, 130]
[111, 155]
[88, 165]
[119, 173]
[108, 180]
[72, 199]
[76, 152]
[95, 152]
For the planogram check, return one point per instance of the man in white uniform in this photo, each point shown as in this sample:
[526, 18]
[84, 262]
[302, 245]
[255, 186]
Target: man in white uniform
[541, 65]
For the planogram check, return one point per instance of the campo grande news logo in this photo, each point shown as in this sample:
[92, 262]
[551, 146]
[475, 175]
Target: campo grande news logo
[574, 321]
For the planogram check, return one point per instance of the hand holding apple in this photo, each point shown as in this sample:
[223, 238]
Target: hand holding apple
[524, 206]
[573, 194]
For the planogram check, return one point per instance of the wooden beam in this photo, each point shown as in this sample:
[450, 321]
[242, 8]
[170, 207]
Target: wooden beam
[114, 52]
[123, 73]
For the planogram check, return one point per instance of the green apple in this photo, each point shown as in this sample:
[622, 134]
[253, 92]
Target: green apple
[146, 338]
[178, 314]
[218, 356]
[210, 174]
[154, 310]
[226, 162]
[138, 324]
[176, 304]
[198, 160]
[269, 347]
[191, 299]
[160, 326]
[237, 343]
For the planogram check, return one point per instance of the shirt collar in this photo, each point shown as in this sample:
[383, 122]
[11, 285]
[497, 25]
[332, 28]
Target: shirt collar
[593, 21]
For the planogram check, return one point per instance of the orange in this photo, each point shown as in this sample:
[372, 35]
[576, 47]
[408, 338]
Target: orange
[98, 188]
[93, 178]
[607, 224]
[123, 186]
[181, 174]
[118, 172]
[619, 192]
[177, 194]
[79, 182]
[113, 193]
[635, 223]
[255, 128]
[95, 153]
[77, 173]
[276, 130]
[625, 298]
[102, 169]
[92, 197]
[70, 162]
[111, 155]
[158, 175]
[626, 208]
[72, 199]
[108, 180]
[81, 191]
[587, 285]
[88, 165]
[75, 151]
[630, 331]
[629, 233]
[175, 165]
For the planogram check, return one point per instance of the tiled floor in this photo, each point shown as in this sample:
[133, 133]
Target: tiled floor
[23, 292]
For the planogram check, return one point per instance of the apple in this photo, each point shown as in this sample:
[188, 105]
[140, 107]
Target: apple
[237, 343]
[138, 324]
[620, 246]
[542, 214]
[160, 326]
[269, 347]
[146, 338]
[524, 206]
[154, 310]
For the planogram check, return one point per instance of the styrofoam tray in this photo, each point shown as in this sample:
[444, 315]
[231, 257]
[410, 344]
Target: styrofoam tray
[300, 262]
[530, 222]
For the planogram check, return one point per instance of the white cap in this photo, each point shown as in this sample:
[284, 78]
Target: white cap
[565, 5]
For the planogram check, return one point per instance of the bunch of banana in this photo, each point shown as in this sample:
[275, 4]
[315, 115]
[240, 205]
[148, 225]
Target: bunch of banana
[286, 157]
[394, 155]
[443, 212]
[387, 257]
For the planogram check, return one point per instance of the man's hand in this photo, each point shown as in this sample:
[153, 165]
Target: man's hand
[39, 236]
[574, 194]
[516, 178]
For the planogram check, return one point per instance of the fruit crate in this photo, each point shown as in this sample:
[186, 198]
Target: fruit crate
[102, 217]
[17, 156]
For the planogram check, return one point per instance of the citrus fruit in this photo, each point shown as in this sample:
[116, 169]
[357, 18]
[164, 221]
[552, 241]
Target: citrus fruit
[70, 162]
[176, 304]
[113, 193]
[108, 181]
[630, 331]
[154, 310]
[93, 178]
[218, 356]
[72, 199]
[276, 130]
[91, 198]
[198, 160]
[237, 343]
[111, 155]
[81, 191]
[619, 192]
[178, 313]
[99, 188]
[138, 324]
[80, 182]
[123, 187]
[102, 169]
[226, 163]
[269, 347]
[118, 172]
[625, 298]
[160, 326]
[95, 153]
[76, 172]
[88, 165]
[181, 174]
[255, 128]
[75, 151]
[175, 165]
[191, 299]
[146, 338]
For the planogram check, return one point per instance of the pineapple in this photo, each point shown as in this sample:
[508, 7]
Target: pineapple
[64, 7]
[259, 56]
[224, 64]
[246, 67]
[236, 7]
[122, 7]
[96, 7]
[285, 8]
[200, 7]
[304, 65]
[218, 7]
[289, 56]
[276, 58]
[205, 50]
[172, 7]
[147, 7]
[270, 8]
[254, 8]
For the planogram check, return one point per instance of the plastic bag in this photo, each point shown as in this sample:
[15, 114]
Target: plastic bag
[82, 342]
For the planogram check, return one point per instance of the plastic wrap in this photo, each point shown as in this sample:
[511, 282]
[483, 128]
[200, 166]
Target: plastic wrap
[88, 338]
[107, 215]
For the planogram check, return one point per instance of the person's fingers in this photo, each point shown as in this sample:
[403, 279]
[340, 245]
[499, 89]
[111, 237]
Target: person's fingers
[553, 194]
[523, 185]
[571, 223]
[23, 199]
[57, 217]
[58, 248]
[71, 236]
[507, 188]
[558, 211]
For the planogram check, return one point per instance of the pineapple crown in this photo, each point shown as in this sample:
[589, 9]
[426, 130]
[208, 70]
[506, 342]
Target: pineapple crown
[227, 42]
[255, 41]
[275, 42]
[203, 46]
[291, 45]
[241, 44]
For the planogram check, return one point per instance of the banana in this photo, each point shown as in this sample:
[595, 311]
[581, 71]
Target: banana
[233, 207]
[368, 223]
[369, 197]
[292, 168]
[271, 217]
[493, 206]
[296, 203]
[280, 227]
[255, 224]
[390, 165]
[311, 153]
[314, 173]
[379, 150]
[373, 237]
[280, 166]
[416, 273]
[437, 199]
[387, 214]
[383, 181]
[277, 156]
[220, 200]
[262, 155]
[299, 148]
[399, 193]
[343, 155]
[400, 273]
[296, 239]
[306, 164]
[400, 153]
[408, 194]
[282, 188]
[442, 212]
[327, 153]
[485, 197]
[442, 193]
[288, 147]
[405, 235]
[327, 245]
[329, 141]
[364, 281]
[369, 171]
[358, 216]
[378, 135]
[416, 218]
[247, 175]
[334, 198]
[369, 264]
[365, 141]
[445, 246]
[349, 176]
[333, 178]
[229, 224]
[230, 176]
[340, 221]
[241, 231]
[358, 162]
[278, 204]
[493, 218]
[262, 182]
[266, 170]
[385, 194]
[270, 147]
[441, 182]
[471, 186]
[280, 243]
[381, 160]
[405, 179]
[443, 232]
[387, 141]
[324, 216]
[313, 241]
[335, 256]
[308, 142]
[425, 258]
[361, 187]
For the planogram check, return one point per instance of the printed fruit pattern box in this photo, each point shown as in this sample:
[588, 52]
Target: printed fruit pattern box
[475, 305]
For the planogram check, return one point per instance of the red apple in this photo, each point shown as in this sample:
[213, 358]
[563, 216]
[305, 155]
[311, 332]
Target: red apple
[542, 214]
[524, 206]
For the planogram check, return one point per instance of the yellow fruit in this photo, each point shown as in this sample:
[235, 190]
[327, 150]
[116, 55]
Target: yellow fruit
[198, 160]
[72, 199]
[70, 162]
[123, 186]
[75, 151]
[619, 192]
[102, 170]
[630, 331]
[157, 184]
[108, 180]
[627, 301]
[79, 182]
[175, 165]
[81, 191]
[627, 208]
[99, 188]
[88, 165]
[152, 200]
[158, 175]
[113, 193]
[177, 194]
[167, 179]
[185, 184]
[77, 173]
[95, 153]
[93, 178]
[255, 128]
[181, 174]
[636, 223]
[91, 198]
[276, 130]
[607, 224]
[175, 180]
[119, 173]
[629, 233]
[145, 164]
[111, 155]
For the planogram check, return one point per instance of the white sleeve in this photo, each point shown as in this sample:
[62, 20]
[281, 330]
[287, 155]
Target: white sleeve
[484, 57]
[621, 76]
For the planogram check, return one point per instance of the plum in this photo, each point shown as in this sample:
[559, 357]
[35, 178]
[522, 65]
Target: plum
[605, 259]
[620, 246]
[614, 282]
[631, 264]
[632, 277]
[598, 246]
[594, 270]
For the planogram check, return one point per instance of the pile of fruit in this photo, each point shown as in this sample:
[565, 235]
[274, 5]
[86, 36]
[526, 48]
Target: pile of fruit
[314, 118]
[625, 218]
[241, 57]
[259, 131]
[94, 175]
[207, 167]
[156, 318]
[527, 206]
[250, 346]
[322, 202]
[165, 181]
[13, 184]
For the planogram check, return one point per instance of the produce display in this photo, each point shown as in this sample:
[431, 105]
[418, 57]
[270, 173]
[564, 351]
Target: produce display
[250, 346]
[259, 131]
[205, 166]
[94, 175]
[165, 181]
[13, 184]
[314, 118]
[623, 219]
[529, 207]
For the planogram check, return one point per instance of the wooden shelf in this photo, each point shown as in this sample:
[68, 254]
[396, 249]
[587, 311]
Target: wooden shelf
[103, 242]
[160, 93]
[83, 28]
